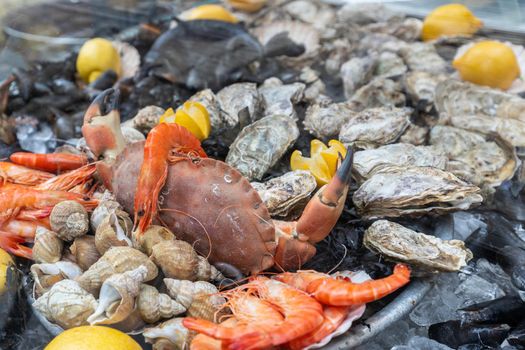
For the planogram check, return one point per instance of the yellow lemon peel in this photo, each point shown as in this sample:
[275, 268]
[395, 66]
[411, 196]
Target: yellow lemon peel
[93, 338]
[322, 163]
[209, 12]
[95, 57]
[5, 263]
[450, 20]
[193, 116]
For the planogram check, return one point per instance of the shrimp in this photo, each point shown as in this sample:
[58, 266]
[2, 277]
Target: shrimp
[167, 142]
[53, 162]
[13, 244]
[21, 175]
[24, 229]
[204, 342]
[302, 314]
[342, 292]
[69, 180]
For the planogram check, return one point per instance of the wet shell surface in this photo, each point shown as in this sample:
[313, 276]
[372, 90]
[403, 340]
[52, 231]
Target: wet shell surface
[46, 275]
[379, 92]
[114, 231]
[85, 251]
[278, 98]
[117, 296]
[402, 244]
[47, 247]
[115, 260]
[288, 193]
[398, 191]
[260, 145]
[369, 162]
[153, 305]
[375, 127]
[169, 333]
[408, 29]
[324, 120]
[153, 235]
[66, 304]
[423, 57]
[69, 220]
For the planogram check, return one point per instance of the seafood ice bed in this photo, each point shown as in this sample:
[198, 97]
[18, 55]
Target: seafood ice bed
[437, 180]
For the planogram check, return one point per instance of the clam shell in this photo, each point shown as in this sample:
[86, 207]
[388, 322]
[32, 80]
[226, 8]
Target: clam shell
[153, 305]
[260, 145]
[423, 57]
[177, 259]
[85, 251]
[117, 296]
[104, 208]
[397, 191]
[325, 119]
[48, 247]
[153, 235]
[171, 333]
[114, 231]
[46, 275]
[402, 244]
[115, 260]
[287, 193]
[278, 98]
[66, 304]
[69, 220]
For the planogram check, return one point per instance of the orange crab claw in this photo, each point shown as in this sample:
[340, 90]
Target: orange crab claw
[13, 244]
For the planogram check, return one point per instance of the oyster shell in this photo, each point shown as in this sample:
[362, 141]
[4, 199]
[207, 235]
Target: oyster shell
[357, 72]
[369, 162]
[477, 158]
[378, 93]
[402, 244]
[259, 146]
[408, 29]
[69, 220]
[209, 100]
[114, 231]
[366, 13]
[47, 247]
[375, 43]
[153, 305]
[421, 88]
[415, 135]
[286, 194]
[338, 51]
[46, 275]
[115, 260]
[398, 191]
[66, 304]
[146, 119]
[324, 120]
[278, 98]
[171, 334]
[389, 65]
[85, 251]
[131, 135]
[423, 57]
[375, 127]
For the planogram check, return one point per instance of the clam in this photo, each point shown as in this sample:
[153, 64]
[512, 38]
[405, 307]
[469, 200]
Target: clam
[259, 146]
[69, 220]
[153, 305]
[369, 162]
[103, 209]
[66, 304]
[356, 73]
[85, 251]
[421, 88]
[115, 260]
[153, 235]
[288, 193]
[47, 247]
[46, 275]
[113, 231]
[375, 127]
[379, 92]
[402, 244]
[278, 98]
[389, 65]
[397, 191]
[325, 119]
[117, 296]
[208, 99]
[423, 57]
[168, 335]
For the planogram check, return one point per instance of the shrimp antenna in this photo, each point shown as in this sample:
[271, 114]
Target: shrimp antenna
[340, 261]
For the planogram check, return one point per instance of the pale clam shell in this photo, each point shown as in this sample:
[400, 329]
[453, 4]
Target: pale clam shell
[171, 331]
[85, 251]
[69, 220]
[153, 305]
[47, 247]
[113, 231]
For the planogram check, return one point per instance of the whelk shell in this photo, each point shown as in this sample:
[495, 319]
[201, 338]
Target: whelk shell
[402, 244]
[170, 335]
[84, 251]
[69, 220]
[103, 209]
[153, 235]
[113, 231]
[46, 275]
[66, 304]
[47, 247]
[153, 305]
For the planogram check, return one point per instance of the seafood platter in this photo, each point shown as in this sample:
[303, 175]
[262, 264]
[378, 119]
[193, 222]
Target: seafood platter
[265, 174]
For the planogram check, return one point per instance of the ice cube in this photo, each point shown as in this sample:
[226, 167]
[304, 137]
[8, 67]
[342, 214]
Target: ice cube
[422, 343]
[475, 289]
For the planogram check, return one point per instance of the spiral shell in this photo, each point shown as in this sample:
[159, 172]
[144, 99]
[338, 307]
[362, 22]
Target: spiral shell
[46, 275]
[66, 304]
[104, 208]
[117, 296]
[168, 335]
[113, 231]
[153, 305]
[115, 260]
[48, 247]
[69, 220]
[153, 235]
[85, 251]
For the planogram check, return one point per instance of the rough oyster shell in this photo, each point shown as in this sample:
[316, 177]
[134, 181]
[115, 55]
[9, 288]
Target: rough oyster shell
[69, 220]
[366, 13]
[415, 135]
[47, 247]
[378, 93]
[288, 193]
[46, 275]
[259, 146]
[389, 65]
[153, 305]
[402, 244]
[421, 88]
[374, 127]
[114, 231]
[408, 29]
[357, 72]
[278, 98]
[172, 334]
[423, 57]
[66, 304]
[477, 158]
[324, 120]
[369, 162]
[115, 260]
[398, 191]
[85, 251]
[146, 119]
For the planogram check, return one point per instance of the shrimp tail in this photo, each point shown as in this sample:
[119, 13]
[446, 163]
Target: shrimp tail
[13, 244]
[204, 327]
[251, 341]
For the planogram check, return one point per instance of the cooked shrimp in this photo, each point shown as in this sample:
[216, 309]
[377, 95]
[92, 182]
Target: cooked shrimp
[17, 174]
[204, 342]
[13, 244]
[69, 180]
[24, 229]
[52, 162]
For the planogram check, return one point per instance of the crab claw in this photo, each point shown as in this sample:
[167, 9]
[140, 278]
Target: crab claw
[13, 244]
[101, 127]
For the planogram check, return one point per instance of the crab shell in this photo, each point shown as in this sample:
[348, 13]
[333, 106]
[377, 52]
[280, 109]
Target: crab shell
[206, 203]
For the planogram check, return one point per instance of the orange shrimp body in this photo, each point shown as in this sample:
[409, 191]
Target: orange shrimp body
[302, 314]
[163, 140]
[204, 342]
[53, 162]
[24, 229]
[69, 180]
[13, 244]
[21, 175]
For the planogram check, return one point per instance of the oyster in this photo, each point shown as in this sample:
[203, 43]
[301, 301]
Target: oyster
[324, 120]
[389, 65]
[423, 57]
[338, 52]
[375, 127]
[397, 191]
[315, 87]
[146, 119]
[278, 98]
[170, 334]
[415, 135]
[374, 43]
[369, 162]
[361, 14]
[402, 244]
[421, 88]
[66, 304]
[378, 93]
[46, 275]
[408, 29]
[477, 158]
[259, 146]
[356, 73]
[286, 194]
